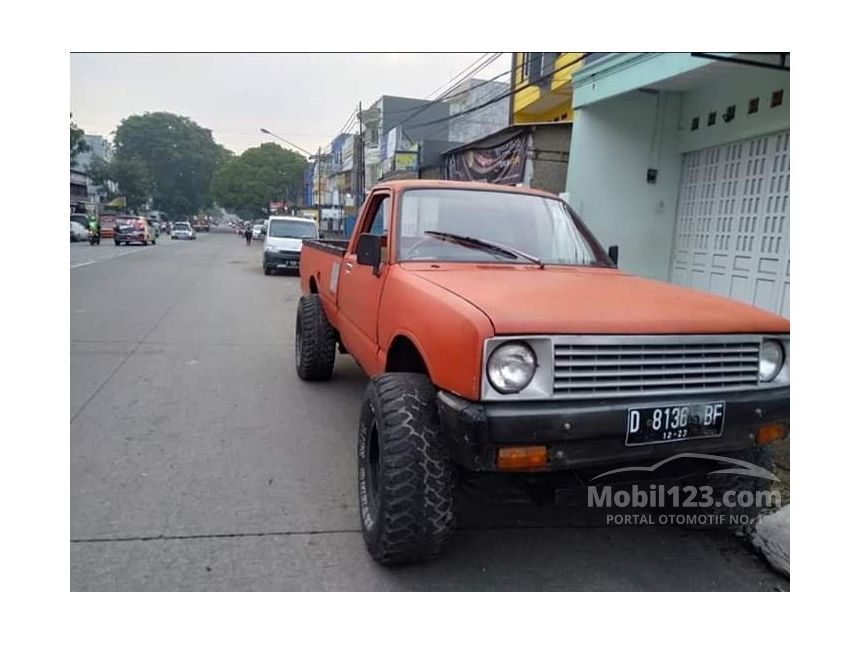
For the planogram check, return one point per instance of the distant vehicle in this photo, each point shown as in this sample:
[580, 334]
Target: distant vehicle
[183, 231]
[284, 239]
[156, 225]
[81, 219]
[201, 224]
[78, 232]
[257, 232]
[135, 230]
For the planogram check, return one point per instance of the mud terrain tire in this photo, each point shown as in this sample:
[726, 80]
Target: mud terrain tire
[405, 477]
[315, 340]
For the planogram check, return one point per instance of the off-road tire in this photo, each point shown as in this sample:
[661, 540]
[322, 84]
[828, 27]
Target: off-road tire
[267, 270]
[315, 340]
[405, 476]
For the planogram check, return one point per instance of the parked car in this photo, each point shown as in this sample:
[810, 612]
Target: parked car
[501, 337]
[284, 238]
[135, 230]
[77, 232]
[81, 219]
[183, 231]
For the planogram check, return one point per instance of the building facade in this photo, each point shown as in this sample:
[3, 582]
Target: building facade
[100, 149]
[683, 161]
[417, 120]
[542, 86]
[473, 125]
[82, 198]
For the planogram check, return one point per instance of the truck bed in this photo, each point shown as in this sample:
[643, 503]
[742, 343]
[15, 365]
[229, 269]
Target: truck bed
[319, 270]
[335, 247]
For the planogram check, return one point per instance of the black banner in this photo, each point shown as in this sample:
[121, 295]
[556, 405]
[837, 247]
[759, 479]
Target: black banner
[503, 163]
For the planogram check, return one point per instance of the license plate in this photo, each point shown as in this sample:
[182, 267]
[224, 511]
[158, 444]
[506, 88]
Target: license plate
[280, 266]
[674, 422]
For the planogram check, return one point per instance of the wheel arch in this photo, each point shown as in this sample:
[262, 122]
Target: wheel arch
[404, 354]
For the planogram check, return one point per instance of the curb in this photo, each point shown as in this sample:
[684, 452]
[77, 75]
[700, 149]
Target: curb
[771, 538]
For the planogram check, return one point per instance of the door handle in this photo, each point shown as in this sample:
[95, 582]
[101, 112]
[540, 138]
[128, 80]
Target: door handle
[348, 267]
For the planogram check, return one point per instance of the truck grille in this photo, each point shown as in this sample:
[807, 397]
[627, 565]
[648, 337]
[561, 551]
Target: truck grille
[645, 365]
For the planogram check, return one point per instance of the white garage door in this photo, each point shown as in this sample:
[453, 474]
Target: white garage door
[731, 234]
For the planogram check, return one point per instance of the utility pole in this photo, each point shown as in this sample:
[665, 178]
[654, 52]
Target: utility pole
[319, 178]
[360, 196]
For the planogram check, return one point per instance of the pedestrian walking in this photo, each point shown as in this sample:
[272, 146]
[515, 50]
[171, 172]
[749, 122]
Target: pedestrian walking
[248, 234]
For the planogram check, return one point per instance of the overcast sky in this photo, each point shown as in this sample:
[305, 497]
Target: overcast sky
[305, 98]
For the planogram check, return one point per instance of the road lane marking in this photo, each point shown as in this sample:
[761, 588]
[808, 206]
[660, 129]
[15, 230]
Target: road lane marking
[110, 257]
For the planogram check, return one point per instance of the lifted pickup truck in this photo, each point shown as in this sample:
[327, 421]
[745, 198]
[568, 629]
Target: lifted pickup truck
[500, 337]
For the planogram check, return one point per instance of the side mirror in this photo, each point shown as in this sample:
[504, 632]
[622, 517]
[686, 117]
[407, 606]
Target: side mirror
[613, 254]
[369, 251]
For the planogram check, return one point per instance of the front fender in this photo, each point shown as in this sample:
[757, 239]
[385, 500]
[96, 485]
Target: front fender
[447, 330]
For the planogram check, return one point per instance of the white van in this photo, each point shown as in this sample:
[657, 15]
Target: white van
[283, 243]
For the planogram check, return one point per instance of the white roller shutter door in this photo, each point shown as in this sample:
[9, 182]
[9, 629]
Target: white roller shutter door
[732, 228]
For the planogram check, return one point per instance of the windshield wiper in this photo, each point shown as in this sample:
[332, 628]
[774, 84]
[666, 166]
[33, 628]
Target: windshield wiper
[492, 247]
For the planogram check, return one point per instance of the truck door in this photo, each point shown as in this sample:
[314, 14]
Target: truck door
[359, 290]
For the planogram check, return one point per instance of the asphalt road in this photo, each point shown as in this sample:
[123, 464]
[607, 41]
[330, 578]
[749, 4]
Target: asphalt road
[199, 460]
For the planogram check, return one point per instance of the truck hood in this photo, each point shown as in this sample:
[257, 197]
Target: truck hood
[585, 300]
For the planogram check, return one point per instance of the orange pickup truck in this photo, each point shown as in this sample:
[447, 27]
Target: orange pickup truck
[501, 337]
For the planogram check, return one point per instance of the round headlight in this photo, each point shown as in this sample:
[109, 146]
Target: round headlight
[770, 360]
[511, 367]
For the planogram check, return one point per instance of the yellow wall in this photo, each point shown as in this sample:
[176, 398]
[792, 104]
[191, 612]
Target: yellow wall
[558, 104]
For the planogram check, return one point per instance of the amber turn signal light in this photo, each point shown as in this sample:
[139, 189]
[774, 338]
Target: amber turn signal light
[770, 433]
[521, 457]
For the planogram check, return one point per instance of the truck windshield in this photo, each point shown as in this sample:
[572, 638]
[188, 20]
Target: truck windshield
[537, 226]
[286, 228]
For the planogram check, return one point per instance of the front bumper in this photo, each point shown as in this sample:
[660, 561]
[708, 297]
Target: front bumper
[590, 433]
[281, 259]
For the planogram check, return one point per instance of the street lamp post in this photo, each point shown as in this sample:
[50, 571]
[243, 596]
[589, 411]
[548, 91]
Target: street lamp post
[272, 134]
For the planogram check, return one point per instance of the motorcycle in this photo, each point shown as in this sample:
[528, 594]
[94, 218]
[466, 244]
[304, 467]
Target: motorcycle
[95, 238]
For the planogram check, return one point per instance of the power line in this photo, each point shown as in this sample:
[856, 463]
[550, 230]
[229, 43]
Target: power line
[348, 121]
[507, 72]
[506, 94]
[442, 87]
[470, 69]
[484, 65]
[420, 108]
[446, 95]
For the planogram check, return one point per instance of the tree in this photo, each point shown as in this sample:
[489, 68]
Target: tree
[178, 155]
[247, 183]
[132, 176]
[77, 144]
